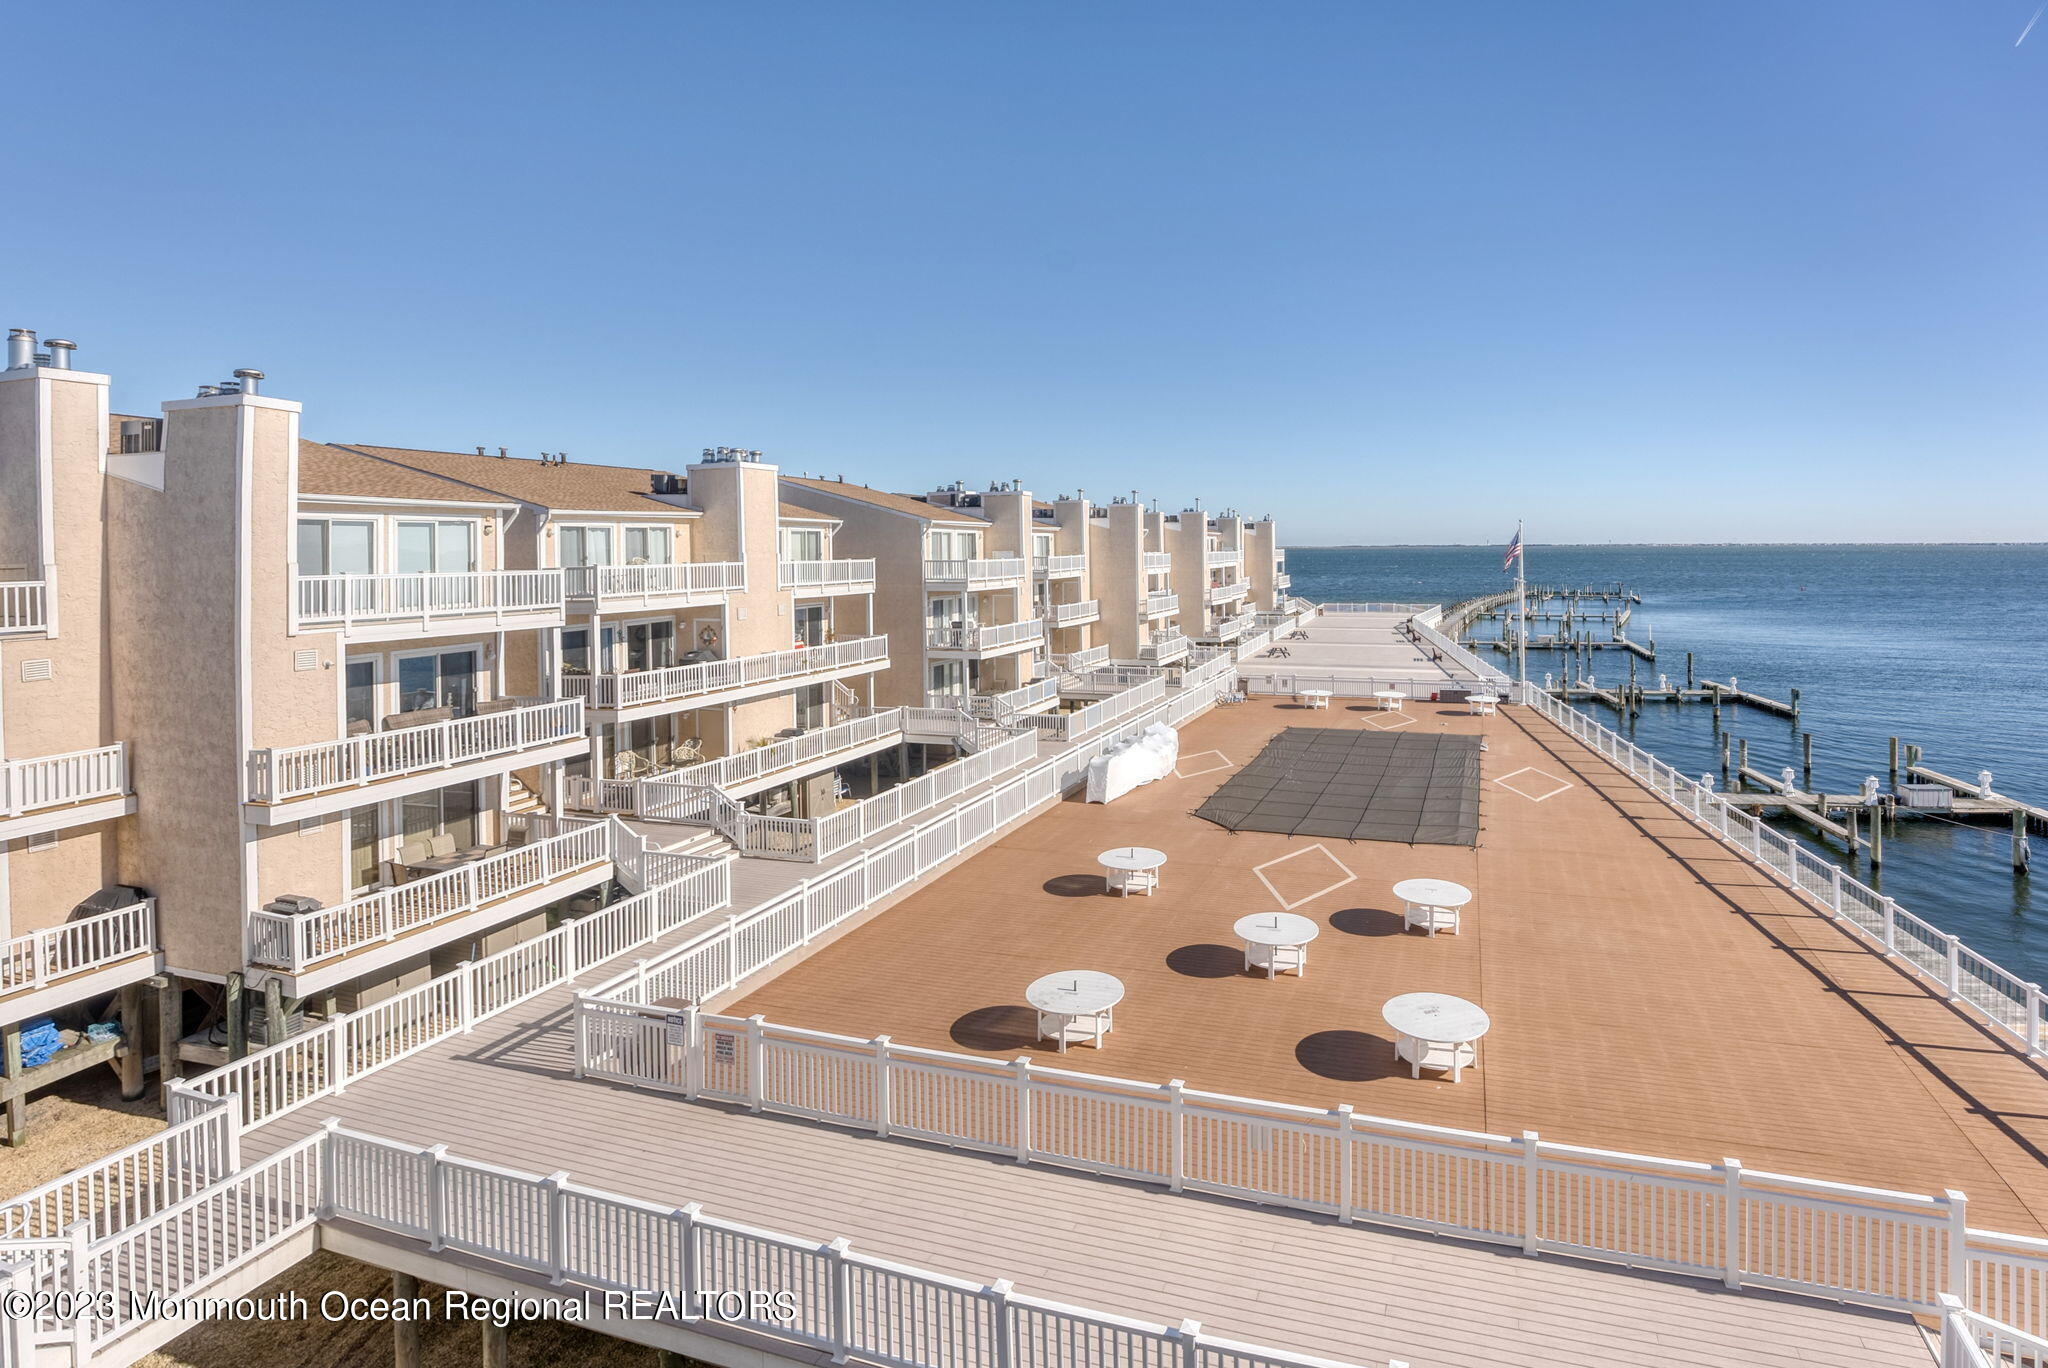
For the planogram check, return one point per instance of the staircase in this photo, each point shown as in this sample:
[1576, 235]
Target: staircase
[703, 842]
[520, 798]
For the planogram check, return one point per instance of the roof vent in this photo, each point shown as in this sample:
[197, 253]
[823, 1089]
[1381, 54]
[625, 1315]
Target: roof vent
[60, 353]
[250, 379]
[21, 348]
[207, 391]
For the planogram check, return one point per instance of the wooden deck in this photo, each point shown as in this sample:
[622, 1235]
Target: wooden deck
[1649, 992]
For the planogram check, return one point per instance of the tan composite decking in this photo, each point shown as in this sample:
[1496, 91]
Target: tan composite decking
[1753, 1029]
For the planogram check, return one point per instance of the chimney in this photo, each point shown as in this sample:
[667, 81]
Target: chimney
[21, 348]
[60, 353]
[250, 379]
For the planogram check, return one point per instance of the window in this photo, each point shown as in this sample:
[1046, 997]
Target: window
[810, 624]
[586, 546]
[650, 645]
[948, 677]
[803, 544]
[436, 548]
[443, 680]
[332, 546]
[1041, 543]
[941, 613]
[450, 811]
[576, 651]
[650, 546]
[954, 545]
[361, 690]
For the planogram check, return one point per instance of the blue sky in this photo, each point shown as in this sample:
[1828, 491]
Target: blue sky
[1393, 272]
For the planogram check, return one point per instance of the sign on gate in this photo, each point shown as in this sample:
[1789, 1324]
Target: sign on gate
[678, 1029]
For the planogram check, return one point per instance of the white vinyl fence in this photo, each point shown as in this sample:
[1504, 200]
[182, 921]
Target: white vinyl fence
[43, 781]
[1745, 1228]
[37, 957]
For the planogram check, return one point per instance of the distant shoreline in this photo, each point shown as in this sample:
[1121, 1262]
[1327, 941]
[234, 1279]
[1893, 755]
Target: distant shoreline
[1642, 546]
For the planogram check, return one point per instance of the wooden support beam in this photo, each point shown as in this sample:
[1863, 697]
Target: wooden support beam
[130, 1061]
[170, 1029]
[237, 1018]
[497, 1347]
[16, 1129]
[669, 1358]
[405, 1332]
[273, 1011]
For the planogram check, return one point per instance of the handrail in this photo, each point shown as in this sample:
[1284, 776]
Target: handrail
[36, 958]
[630, 688]
[1223, 593]
[1068, 726]
[747, 765]
[1156, 561]
[1229, 555]
[42, 781]
[24, 605]
[1161, 602]
[1165, 647]
[1051, 566]
[1062, 614]
[820, 574]
[977, 637]
[277, 774]
[979, 569]
[654, 581]
[346, 600]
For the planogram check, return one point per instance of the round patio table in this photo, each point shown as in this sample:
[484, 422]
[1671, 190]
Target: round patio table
[1436, 1031]
[1432, 904]
[1481, 704]
[1316, 698]
[1273, 940]
[1391, 700]
[1132, 867]
[1075, 1004]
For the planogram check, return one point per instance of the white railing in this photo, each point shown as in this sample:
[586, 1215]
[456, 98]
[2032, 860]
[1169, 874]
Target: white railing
[1110, 677]
[1970, 1340]
[1081, 660]
[643, 582]
[1066, 614]
[826, 574]
[679, 682]
[1157, 561]
[132, 1183]
[1165, 647]
[1160, 603]
[1405, 609]
[849, 826]
[2011, 1004]
[999, 705]
[1283, 681]
[320, 1061]
[1230, 628]
[1213, 670]
[346, 600]
[1229, 555]
[809, 749]
[39, 958]
[835, 1301]
[298, 942]
[1745, 1228]
[980, 570]
[1282, 580]
[1223, 593]
[975, 637]
[1423, 625]
[46, 781]
[1069, 726]
[24, 605]
[283, 773]
[1053, 567]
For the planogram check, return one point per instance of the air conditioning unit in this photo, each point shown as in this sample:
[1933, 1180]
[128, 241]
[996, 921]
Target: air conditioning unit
[293, 905]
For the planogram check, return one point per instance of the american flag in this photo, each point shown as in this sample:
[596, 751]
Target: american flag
[1514, 553]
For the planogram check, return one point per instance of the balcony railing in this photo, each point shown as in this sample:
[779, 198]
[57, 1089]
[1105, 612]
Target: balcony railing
[1230, 628]
[679, 683]
[1054, 567]
[24, 606]
[1164, 647]
[980, 571]
[1223, 593]
[974, 637]
[1283, 580]
[999, 705]
[1069, 726]
[1157, 561]
[842, 575]
[648, 582]
[1229, 555]
[283, 773]
[1082, 660]
[1073, 614]
[47, 781]
[40, 957]
[348, 600]
[810, 749]
[1160, 604]
[297, 943]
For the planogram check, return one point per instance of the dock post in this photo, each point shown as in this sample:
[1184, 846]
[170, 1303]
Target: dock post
[1741, 759]
[1806, 761]
[1724, 760]
[1892, 759]
[2020, 854]
[1795, 704]
[1688, 670]
[1855, 842]
[1877, 841]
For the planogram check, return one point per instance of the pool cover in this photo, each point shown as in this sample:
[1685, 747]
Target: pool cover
[1356, 785]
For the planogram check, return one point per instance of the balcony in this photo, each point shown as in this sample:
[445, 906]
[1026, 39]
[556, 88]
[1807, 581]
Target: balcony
[294, 782]
[1283, 580]
[716, 683]
[1082, 660]
[24, 606]
[1073, 614]
[1223, 631]
[1058, 567]
[1158, 562]
[1228, 556]
[389, 607]
[998, 707]
[1161, 604]
[1224, 593]
[1164, 648]
[692, 583]
[766, 767]
[51, 792]
[83, 958]
[356, 937]
[974, 639]
[964, 573]
[822, 577]
[1065, 727]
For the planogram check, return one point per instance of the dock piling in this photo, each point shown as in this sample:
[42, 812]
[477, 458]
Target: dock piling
[1741, 755]
[1795, 704]
[1892, 760]
[1805, 757]
[2020, 853]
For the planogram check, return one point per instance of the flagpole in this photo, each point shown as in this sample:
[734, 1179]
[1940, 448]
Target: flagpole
[1521, 609]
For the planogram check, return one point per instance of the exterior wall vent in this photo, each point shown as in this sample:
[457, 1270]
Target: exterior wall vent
[43, 840]
[35, 671]
[306, 660]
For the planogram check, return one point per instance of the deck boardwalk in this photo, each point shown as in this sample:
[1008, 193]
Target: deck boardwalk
[1746, 1026]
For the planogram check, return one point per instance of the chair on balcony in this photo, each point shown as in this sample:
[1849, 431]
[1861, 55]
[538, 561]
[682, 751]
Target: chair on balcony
[498, 705]
[418, 717]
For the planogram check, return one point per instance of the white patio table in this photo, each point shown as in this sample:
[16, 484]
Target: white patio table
[1274, 941]
[1432, 904]
[1391, 700]
[1075, 1005]
[1436, 1031]
[1132, 868]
